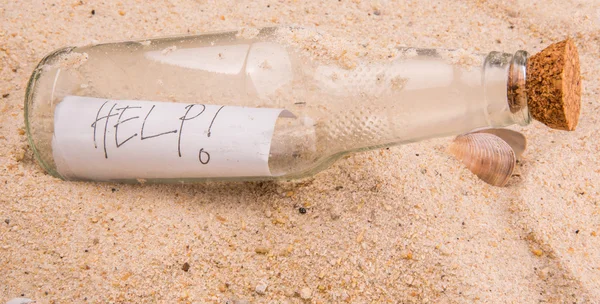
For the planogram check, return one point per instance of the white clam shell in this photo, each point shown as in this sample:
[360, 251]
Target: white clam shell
[487, 155]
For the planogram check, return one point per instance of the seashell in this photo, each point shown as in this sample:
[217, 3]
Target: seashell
[488, 156]
[516, 140]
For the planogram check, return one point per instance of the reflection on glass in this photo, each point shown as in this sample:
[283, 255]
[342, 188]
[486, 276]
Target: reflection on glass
[267, 65]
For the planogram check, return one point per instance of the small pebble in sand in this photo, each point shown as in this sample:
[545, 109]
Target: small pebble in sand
[278, 221]
[185, 267]
[19, 155]
[537, 252]
[360, 237]
[223, 287]
[302, 210]
[261, 288]
[7, 221]
[261, 250]
[321, 275]
[306, 293]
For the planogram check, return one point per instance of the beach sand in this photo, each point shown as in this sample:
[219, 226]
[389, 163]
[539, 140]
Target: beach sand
[404, 225]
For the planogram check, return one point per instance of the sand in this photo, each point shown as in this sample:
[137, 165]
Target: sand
[404, 225]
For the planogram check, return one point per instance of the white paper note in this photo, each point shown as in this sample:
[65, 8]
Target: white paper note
[104, 139]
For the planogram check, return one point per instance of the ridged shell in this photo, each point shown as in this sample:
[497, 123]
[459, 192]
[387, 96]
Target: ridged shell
[514, 139]
[486, 155]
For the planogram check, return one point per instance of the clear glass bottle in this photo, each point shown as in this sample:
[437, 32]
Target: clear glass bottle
[327, 106]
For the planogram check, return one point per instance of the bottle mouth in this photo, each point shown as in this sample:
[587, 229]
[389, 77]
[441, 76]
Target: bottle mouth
[516, 91]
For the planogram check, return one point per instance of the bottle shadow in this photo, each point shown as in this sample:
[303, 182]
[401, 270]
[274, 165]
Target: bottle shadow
[233, 194]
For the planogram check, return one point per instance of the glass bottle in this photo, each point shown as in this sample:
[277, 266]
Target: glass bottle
[262, 104]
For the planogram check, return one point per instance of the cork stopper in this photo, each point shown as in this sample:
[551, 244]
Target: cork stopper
[554, 86]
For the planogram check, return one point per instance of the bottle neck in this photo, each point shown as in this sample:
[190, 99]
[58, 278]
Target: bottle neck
[505, 97]
[439, 99]
[516, 91]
